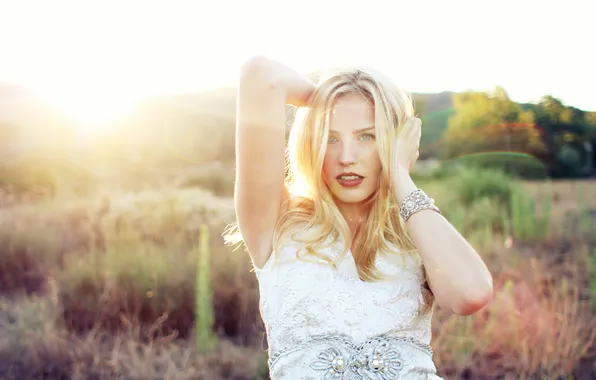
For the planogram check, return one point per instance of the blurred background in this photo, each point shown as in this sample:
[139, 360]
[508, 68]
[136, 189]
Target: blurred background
[117, 172]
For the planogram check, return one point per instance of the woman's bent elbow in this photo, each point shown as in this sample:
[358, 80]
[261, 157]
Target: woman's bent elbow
[472, 303]
[259, 69]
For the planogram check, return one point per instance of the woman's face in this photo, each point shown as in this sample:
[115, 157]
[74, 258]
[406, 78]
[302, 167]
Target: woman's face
[352, 167]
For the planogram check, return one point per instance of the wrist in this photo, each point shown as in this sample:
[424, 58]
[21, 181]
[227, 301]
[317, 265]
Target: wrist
[402, 184]
[416, 201]
[273, 75]
[299, 91]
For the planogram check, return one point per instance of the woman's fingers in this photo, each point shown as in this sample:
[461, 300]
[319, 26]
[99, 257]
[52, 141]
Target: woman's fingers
[418, 127]
[413, 127]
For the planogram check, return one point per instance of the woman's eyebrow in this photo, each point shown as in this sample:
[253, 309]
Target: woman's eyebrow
[356, 131]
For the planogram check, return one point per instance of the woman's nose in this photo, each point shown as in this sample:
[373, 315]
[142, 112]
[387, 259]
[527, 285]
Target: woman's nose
[348, 153]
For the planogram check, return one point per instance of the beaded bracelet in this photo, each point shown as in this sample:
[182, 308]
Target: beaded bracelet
[415, 201]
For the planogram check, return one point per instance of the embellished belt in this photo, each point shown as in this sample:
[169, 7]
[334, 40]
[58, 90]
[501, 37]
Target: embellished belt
[382, 357]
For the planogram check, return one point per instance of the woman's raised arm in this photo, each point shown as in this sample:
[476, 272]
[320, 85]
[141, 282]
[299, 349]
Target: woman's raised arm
[265, 87]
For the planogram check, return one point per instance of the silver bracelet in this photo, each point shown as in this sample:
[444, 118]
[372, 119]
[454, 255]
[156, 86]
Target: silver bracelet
[415, 201]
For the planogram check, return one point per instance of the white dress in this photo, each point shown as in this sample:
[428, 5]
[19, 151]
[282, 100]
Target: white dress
[323, 323]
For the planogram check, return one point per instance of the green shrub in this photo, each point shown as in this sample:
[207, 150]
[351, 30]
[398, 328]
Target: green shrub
[473, 184]
[518, 165]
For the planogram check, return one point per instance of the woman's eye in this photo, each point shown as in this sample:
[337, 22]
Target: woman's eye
[331, 140]
[367, 136]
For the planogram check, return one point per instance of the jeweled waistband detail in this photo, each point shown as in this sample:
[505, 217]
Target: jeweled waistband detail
[340, 358]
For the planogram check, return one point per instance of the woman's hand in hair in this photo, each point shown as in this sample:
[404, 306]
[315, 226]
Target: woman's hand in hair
[405, 150]
[404, 154]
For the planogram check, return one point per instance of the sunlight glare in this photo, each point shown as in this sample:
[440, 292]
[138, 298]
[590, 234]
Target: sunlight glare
[92, 113]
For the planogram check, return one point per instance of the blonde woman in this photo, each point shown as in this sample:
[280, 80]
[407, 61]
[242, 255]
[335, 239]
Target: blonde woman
[350, 255]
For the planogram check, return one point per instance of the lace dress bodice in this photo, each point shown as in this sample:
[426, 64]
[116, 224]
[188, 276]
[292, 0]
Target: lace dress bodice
[326, 323]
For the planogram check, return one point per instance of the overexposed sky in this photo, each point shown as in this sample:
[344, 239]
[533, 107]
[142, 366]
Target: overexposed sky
[93, 58]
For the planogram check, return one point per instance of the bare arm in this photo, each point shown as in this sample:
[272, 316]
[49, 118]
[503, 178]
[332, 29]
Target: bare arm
[265, 88]
[457, 276]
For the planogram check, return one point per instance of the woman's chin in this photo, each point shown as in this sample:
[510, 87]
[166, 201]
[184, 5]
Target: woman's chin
[351, 196]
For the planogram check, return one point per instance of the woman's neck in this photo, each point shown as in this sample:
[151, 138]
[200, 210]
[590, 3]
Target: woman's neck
[354, 214]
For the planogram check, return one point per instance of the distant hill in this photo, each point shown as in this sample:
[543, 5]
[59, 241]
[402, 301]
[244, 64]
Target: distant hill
[163, 133]
[222, 101]
[433, 108]
[191, 119]
[433, 102]
[209, 113]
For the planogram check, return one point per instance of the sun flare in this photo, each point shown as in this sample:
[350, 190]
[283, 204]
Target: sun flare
[92, 114]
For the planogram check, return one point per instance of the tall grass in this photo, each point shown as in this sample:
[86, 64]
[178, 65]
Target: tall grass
[534, 328]
[527, 220]
[122, 282]
[586, 223]
[206, 341]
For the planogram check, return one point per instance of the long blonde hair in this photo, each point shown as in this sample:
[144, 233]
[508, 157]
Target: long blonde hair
[310, 208]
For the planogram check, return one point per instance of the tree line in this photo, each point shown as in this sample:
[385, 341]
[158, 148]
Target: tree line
[545, 139]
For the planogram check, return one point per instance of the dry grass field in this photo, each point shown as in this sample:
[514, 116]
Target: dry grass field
[106, 287]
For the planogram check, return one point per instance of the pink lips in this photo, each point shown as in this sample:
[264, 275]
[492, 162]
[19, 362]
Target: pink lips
[352, 179]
